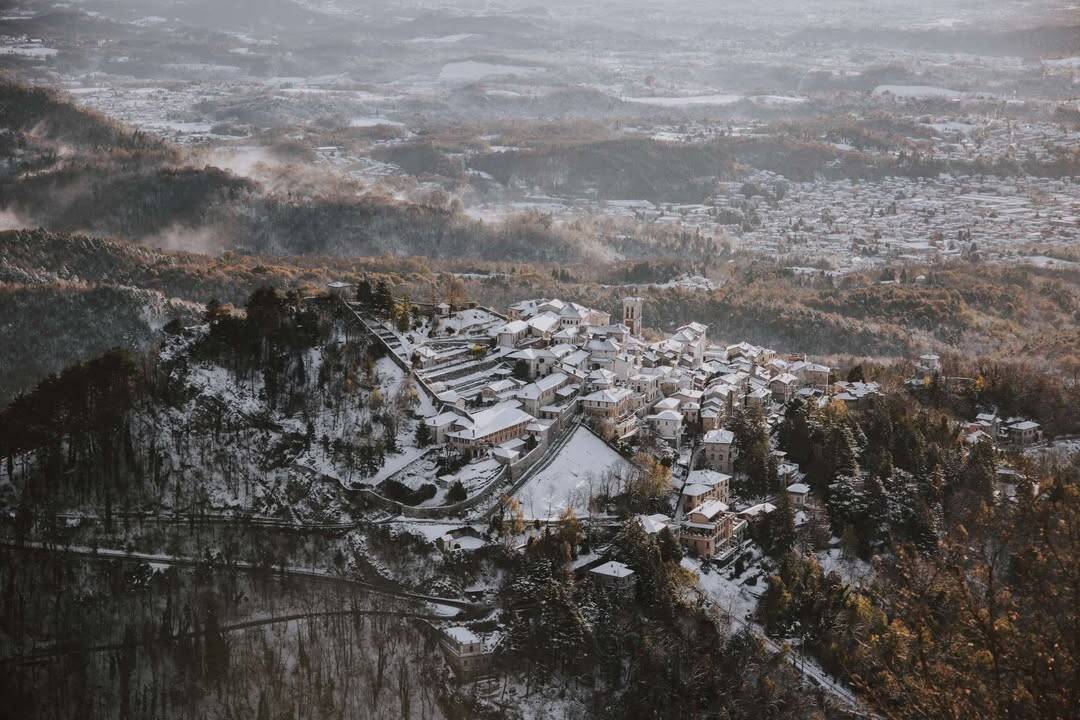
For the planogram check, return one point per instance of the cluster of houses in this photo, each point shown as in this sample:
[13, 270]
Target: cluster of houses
[1014, 433]
[548, 360]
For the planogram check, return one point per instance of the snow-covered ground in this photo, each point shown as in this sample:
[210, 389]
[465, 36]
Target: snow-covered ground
[572, 478]
[687, 101]
[915, 91]
[732, 594]
[854, 571]
[471, 71]
[1062, 447]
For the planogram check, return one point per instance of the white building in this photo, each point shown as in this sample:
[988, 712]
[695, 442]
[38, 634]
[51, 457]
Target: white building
[667, 424]
[718, 446]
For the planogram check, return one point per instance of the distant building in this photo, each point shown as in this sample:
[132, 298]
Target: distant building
[339, 288]
[1022, 433]
[798, 492]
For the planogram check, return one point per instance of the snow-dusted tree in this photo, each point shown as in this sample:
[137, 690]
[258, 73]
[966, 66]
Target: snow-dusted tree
[423, 434]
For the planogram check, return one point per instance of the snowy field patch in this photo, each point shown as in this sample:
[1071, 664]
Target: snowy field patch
[686, 100]
[916, 91]
[572, 478]
[471, 71]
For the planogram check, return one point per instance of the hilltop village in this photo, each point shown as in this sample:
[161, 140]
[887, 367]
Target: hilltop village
[552, 412]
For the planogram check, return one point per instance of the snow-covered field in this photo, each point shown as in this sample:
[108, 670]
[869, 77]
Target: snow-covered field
[471, 71]
[687, 100]
[572, 478]
[915, 91]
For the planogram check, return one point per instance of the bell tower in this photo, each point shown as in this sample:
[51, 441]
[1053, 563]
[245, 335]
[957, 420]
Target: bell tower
[631, 314]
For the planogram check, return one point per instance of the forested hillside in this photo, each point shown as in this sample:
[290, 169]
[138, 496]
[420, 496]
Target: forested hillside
[70, 170]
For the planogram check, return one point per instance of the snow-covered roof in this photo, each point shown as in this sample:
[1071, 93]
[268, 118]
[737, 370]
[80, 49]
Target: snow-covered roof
[610, 395]
[443, 419]
[576, 358]
[613, 569]
[1024, 425]
[530, 354]
[534, 390]
[492, 420]
[514, 327]
[546, 322]
[798, 488]
[709, 509]
[462, 635]
[653, 524]
[602, 345]
[720, 436]
[710, 478]
[672, 415]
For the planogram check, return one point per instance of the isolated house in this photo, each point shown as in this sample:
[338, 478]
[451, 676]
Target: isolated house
[465, 652]
[798, 492]
[1024, 433]
[613, 575]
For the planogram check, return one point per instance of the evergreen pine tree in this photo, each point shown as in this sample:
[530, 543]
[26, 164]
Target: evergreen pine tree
[782, 527]
[423, 434]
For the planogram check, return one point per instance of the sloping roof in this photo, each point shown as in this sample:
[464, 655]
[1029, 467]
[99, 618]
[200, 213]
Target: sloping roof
[610, 395]
[546, 322]
[514, 327]
[719, 436]
[709, 478]
[492, 420]
[534, 390]
[666, 415]
[709, 509]
[614, 569]
[759, 509]
[1025, 425]
[653, 524]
